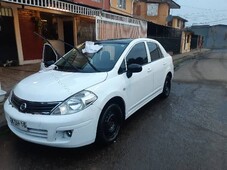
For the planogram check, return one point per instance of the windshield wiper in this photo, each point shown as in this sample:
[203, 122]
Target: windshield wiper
[87, 58]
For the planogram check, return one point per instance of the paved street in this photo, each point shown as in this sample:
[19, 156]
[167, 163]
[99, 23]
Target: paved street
[186, 131]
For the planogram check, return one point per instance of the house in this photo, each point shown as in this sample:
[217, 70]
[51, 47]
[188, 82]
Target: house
[213, 37]
[124, 7]
[155, 11]
[99, 4]
[186, 38]
[176, 22]
[73, 21]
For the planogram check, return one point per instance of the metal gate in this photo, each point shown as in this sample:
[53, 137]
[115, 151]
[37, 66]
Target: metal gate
[110, 26]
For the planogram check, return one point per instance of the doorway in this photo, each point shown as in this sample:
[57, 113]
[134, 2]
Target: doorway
[8, 47]
[68, 34]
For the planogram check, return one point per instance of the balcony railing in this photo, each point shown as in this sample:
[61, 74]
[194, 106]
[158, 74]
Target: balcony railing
[58, 5]
[76, 9]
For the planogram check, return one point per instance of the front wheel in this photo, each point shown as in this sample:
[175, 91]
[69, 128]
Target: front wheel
[109, 124]
[167, 87]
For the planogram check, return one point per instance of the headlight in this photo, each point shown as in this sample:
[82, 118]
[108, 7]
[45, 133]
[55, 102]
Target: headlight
[75, 103]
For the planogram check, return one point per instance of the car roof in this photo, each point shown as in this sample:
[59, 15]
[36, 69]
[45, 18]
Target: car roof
[117, 41]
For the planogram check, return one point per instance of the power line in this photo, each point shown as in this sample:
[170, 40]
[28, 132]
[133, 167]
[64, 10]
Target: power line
[224, 19]
[205, 9]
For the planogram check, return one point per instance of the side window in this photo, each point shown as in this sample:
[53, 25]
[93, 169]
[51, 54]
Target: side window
[154, 50]
[137, 55]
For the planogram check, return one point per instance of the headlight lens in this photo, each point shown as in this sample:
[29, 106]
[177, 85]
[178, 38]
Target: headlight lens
[75, 103]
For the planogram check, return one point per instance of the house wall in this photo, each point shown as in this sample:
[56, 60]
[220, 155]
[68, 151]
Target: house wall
[129, 7]
[202, 31]
[185, 42]
[31, 44]
[217, 37]
[177, 25]
[162, 13]
[85, 29]
[140, 10]
[102, 4]
[174, 23]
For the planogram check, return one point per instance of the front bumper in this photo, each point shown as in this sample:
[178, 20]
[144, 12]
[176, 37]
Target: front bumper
[54, 130]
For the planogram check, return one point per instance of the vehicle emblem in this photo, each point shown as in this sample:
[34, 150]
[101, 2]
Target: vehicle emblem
[23, 107]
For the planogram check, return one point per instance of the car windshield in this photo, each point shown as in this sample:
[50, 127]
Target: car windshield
[101, 61]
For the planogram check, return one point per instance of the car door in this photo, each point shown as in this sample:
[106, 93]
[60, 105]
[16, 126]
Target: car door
[49, 56]
[158, 65]
[139, 86]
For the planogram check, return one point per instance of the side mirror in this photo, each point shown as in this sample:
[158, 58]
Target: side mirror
[133, 68]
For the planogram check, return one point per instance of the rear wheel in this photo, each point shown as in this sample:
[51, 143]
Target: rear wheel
[167, 87]
[109, 124]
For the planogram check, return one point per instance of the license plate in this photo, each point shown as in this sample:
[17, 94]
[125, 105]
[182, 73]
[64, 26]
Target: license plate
[19, 124]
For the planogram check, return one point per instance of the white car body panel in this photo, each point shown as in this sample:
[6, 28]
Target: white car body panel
[51, 85]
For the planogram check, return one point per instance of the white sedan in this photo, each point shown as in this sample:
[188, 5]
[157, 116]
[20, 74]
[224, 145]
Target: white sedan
[87, 94]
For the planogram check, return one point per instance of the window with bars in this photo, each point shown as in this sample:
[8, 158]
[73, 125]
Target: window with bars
[121, 4]
[152, 9]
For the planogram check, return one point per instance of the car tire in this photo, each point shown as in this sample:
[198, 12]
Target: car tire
[109, 124]
[167, 87]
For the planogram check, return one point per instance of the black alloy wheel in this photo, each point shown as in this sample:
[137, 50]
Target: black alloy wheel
[167, 87]
[109, 124]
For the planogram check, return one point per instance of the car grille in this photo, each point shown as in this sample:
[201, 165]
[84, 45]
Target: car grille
[32, 107]
[39, 133]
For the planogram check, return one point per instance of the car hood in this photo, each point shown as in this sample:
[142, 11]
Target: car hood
[49, 86]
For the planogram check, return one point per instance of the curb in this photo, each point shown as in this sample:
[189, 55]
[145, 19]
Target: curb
[177, 62]
[187, 56]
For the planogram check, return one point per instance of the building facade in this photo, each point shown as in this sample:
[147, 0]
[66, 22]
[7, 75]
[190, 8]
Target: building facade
[176, 22]
[212, 37]
[155, 11]
[71, 21]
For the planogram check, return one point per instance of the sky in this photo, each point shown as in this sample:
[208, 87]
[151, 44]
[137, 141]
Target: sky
[202, 12]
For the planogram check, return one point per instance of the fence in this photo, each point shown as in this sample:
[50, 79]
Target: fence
[171, 44]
